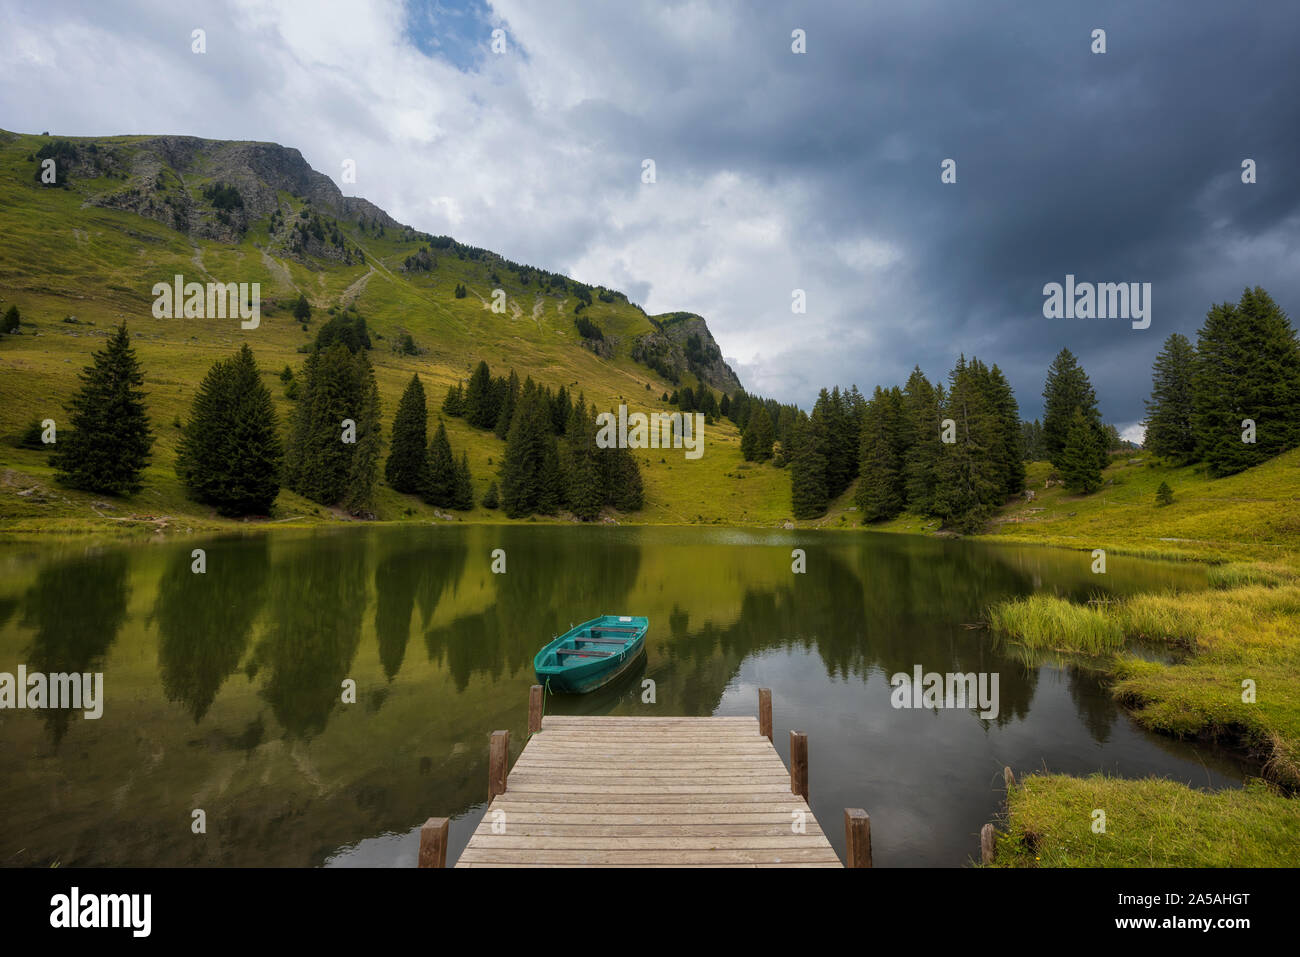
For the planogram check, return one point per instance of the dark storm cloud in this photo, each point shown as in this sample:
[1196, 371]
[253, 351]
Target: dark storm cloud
[1123, 166]
[776, 171]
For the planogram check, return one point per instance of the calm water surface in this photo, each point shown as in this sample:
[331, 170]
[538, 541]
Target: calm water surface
[223, 690]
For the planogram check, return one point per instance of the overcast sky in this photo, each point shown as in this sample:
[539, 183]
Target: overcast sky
[775, 170]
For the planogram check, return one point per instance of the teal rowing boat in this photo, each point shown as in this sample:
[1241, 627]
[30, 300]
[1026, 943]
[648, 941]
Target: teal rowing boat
[592, 654]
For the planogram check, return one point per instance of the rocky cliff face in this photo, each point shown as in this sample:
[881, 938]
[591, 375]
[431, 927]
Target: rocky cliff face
[682, 343]
[217, 189]
[169, 179]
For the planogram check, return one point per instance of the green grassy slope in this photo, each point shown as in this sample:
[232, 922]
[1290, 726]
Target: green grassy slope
[61, 256]
[1254, 515]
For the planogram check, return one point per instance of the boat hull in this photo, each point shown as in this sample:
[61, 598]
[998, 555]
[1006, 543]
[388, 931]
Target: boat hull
[575, 663]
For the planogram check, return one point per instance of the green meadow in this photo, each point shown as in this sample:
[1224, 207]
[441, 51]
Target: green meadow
[62, 259]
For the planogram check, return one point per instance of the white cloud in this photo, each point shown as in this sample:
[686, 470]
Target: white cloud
[536, 154]
[1136, 433]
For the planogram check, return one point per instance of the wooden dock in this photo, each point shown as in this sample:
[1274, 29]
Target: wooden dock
[649, 792]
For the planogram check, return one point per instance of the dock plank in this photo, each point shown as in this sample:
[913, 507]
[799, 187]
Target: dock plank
[648, 792]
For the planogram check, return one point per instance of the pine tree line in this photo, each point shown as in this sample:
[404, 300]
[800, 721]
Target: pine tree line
[426, 468]
[551, 461]
[489, 403]
[953, 453]
[1233, 400]
[542, 473]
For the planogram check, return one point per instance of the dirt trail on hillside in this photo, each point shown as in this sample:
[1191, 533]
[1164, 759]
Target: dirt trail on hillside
[279, 270]
[197, 259]
[350, 294]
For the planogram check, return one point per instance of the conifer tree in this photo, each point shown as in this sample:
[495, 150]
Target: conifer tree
[882, 486]
[408, 453]
[1164, 494]
[922, 447]
[229, 454]
[530, 467]
[1008, 449]
[108, 442]
[583, 490]
[440, 479]
[1247, 367]
[841, 449]
[807, 471]
[621, 480]
[320, 463]
[453, 406]
[363, 467]
[490, 498]
[1169, 410]
[302, 309]
[509, 399]
[560, 410]
[12, 321]
[970, 479]
[756, 442]
[1080, 461]
[480, 399]
[463, 491]
[1067, 388]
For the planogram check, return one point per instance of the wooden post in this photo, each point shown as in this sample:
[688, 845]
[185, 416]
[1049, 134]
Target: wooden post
[498, 758]
[433, 843]
[799, 764]
[988, 844]
[765, 712]
[1008, 779]
[857, 836]
[534, 708]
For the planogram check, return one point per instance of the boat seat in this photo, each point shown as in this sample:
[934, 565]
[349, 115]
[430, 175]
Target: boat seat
[584, 651]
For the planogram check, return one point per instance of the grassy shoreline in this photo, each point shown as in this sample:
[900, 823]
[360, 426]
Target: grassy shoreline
[1243, 628]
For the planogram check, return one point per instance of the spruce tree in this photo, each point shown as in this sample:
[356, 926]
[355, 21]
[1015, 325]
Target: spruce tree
[463, 490]
[922, 447]
[480, 399]
[550, 478]
[1067, 388]
[833, 421]
[970, 477]
[756, 442]
[807, 471]
[527, 473]
[1169, 410]
[302, 309]
[882, 483]
[408, 453]
[440, 478]
[453, 406]
[560, 410]
[1164, 494]
[229, 454]
[509, 399]
[319, 464]
[108, 442]
[363, 466]
[1009, 447]
[583, 491]
[1247, 367]
[12, 321]
[490, 498]
[620, 479]
[1080, 460]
